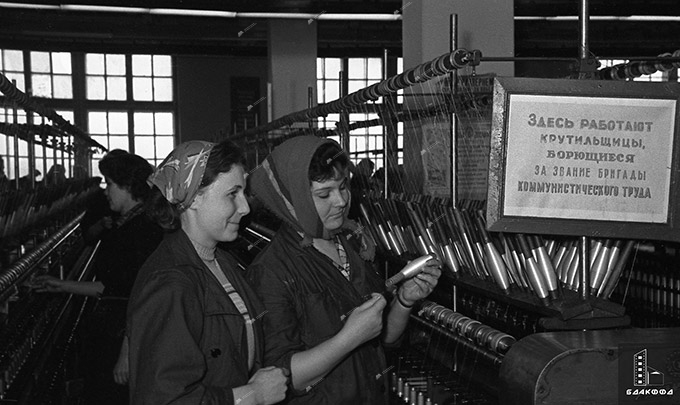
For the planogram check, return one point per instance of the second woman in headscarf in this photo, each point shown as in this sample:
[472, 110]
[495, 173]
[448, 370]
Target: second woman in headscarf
[324, 313]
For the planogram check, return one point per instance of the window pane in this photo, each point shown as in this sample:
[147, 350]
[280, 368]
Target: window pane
[94, 63]
[62, 87]
[118, 123]
[40, 62]
[355, 85]
[61, 62]
[115, 88]
[18, 79]
[357, 68]
[162, 65]
[375, 129]
[119, 142]
[144, 146]
[101, 139]
[141, 65]
[333, 66]
[115, 64]
[164, 145]
[67, 115]
[319, 68]
[42, 86]
[164, 124]
[141, 89]
[162, 89]
[374, 68]
[97, 124]
[143, 123]
[332, 90]
[14, 61]
[319, 92]
[95, 88]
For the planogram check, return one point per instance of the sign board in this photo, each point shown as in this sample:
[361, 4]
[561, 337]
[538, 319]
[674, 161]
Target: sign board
[585, 157]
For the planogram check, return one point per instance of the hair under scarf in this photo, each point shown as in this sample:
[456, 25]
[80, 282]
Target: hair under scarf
[282, 183]
[179, 176]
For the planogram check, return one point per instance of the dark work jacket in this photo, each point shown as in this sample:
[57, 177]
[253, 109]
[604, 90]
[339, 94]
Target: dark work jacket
[305, 297]
[122, 253]
[181, 325]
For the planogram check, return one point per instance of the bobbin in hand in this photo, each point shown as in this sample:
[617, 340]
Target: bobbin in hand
[420, 286]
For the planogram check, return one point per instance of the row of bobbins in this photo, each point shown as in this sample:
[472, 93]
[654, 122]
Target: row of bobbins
[482, 335]
[410, 391]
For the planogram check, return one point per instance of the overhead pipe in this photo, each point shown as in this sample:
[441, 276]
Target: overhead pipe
[440, 66]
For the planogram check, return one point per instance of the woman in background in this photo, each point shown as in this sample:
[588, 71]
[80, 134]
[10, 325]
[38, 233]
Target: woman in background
[194, 324]
[315, 276]
[123, 250]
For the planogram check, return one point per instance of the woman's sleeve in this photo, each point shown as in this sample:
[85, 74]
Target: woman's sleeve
[281, 326]
[139, 243]
[166, 362]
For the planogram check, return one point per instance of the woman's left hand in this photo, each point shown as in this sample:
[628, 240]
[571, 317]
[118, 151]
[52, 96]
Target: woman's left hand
[46, 283]
[421, 285]
[121, 371]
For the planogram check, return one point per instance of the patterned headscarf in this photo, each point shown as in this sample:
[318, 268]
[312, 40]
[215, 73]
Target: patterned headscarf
[179, 176]
[281, 182]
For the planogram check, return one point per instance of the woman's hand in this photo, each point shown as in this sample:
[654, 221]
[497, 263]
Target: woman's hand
[269, 385]
[366, 321]
[421, 285]
[121, 371]
[47, 283]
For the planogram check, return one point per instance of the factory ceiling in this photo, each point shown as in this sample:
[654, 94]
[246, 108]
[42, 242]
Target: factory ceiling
[624, 33]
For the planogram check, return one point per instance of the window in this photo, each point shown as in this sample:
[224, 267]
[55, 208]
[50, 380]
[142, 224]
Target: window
[12, 66]
[154, 135]
[127, 103]
[45, 155]
[105, 77]
[51, 75]
[151, 78]
[147, 129]
[361, 72]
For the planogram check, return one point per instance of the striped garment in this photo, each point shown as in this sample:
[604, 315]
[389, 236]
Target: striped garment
[242, 309]
[344, 267]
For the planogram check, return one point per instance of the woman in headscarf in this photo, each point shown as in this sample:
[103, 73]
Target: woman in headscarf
[193, 322]
[314, 279]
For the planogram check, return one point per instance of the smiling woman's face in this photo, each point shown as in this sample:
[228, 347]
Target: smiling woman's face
[220, 207]
[331, 198]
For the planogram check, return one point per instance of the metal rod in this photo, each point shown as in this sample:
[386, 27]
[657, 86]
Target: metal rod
[583, 25]
[584, 273]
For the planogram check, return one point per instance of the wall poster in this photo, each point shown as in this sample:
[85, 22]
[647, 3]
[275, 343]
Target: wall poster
[594, 158]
